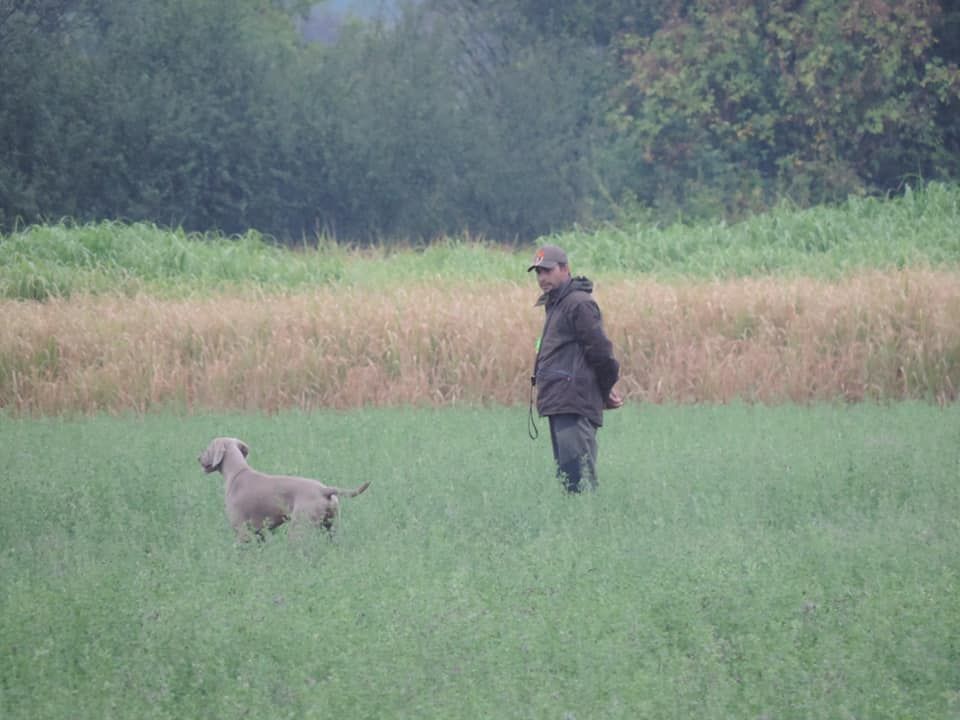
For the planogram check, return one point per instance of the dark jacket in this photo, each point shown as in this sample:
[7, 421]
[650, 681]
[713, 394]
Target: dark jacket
[575, 368]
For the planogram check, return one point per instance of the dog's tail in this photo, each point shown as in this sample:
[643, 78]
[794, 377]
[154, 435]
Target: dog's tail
[348, 493]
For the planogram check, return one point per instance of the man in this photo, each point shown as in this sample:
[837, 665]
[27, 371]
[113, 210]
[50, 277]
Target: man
[575, 370]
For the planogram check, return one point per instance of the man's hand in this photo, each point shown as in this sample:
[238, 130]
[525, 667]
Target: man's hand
[613, 401]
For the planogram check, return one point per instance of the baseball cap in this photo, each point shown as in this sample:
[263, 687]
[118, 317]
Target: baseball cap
[548, 257]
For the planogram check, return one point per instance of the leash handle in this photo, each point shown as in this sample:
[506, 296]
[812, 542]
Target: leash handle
[532, 430]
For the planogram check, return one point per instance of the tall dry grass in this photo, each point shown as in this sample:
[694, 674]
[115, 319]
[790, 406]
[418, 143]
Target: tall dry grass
[872, 336]
[879, 335]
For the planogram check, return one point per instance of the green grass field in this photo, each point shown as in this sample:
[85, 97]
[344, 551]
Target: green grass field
[738, 562]
[917, 229]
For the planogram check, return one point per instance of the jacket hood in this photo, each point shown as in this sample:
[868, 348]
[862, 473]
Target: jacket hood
[576, 283]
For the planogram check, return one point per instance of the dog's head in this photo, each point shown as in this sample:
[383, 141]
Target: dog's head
[212, 458]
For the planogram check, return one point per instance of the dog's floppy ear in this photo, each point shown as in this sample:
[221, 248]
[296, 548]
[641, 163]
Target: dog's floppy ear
[212, 457]
[243, 447]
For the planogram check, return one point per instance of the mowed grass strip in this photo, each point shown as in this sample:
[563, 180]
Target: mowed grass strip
[738, 561]
[893, 335]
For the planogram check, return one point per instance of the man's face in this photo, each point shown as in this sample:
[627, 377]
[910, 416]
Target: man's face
[552, 279]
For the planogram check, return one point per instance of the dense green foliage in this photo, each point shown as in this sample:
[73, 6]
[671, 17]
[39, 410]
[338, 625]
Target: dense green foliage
[507, 119]
[731, 102]
[917, 229]
[738, 562]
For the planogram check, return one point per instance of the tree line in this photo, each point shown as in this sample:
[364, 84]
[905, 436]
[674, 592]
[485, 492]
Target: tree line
[500, 118]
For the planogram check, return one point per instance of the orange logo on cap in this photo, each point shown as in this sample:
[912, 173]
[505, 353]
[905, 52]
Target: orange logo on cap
[538, 258]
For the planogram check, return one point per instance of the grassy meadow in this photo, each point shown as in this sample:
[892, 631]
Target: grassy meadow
[915, 230]
[738, 562]
[775, 536]
[859, 302]
[877, 336]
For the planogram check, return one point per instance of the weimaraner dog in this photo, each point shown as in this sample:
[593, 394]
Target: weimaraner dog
[257, 501]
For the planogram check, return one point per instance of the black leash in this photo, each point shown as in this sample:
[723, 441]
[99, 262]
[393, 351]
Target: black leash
[532, 430]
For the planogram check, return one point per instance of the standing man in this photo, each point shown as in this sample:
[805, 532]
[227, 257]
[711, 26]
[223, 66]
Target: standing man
[575, 369]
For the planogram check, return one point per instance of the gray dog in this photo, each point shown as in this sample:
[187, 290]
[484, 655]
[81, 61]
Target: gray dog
[256, 501]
